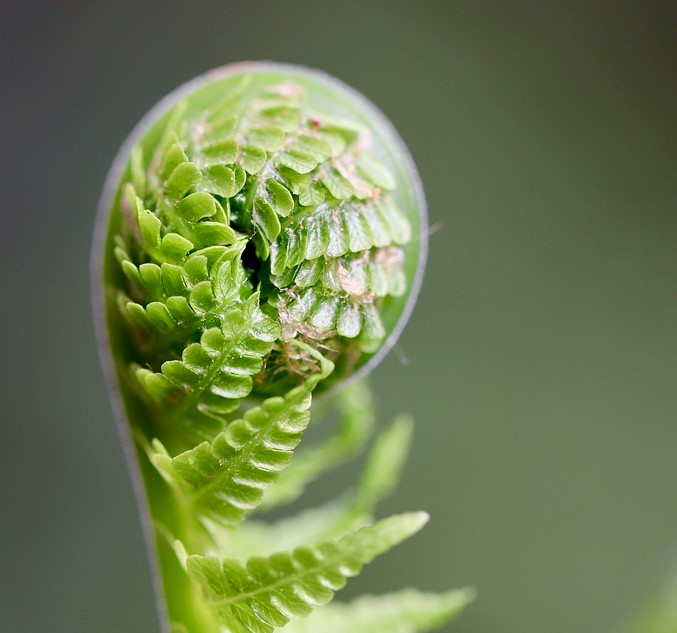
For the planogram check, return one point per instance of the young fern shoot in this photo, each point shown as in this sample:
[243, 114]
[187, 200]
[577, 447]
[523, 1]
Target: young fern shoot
[259, 242]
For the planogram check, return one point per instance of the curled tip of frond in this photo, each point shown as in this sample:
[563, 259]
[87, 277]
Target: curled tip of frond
[257, 237]
[258, 248]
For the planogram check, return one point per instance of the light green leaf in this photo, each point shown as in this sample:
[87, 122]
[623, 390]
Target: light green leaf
[226, 125]
[356, 410]
[311, 146]
[334, 519]
[317, 238]
[349, 320]
[252, 158]
[357, 230]
[259, 538]
[373, 330]
[137, 171]
[175, 125]
[334, 140]
[183, 178]
[407, 611]
[223, 152]
[393, 218]
[295, 181]
[279, 197]
[214, 374]
[172, 158]
[338, 185]
[299, 162]
[150, 226]
[283, 116]
[212, 233]
[265, 218]
[230, 104]
[350, 131]
[268, 592]
[312, 196]
[197, 206]
[376, 173]
[268, 138]
[225, 478]
[335, 231]
[222, 181]
[385, 464]
[175, 247]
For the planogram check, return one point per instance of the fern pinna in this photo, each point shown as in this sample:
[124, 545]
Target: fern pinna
[259, 242]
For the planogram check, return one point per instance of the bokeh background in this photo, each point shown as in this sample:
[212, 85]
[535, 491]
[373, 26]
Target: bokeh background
[540, 362]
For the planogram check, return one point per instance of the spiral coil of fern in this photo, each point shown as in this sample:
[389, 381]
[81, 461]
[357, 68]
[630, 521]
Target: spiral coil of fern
[258, 242]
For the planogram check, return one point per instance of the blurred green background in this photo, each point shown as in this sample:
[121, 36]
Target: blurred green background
[540, 361]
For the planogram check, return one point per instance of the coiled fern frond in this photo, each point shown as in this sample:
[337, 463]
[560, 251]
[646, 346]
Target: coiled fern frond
[260, 242]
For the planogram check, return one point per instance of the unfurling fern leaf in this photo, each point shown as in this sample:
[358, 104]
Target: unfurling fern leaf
[267, 592]
[225, 478]
[256, 248]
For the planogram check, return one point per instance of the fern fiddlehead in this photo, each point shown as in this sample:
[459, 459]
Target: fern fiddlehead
[259, 242]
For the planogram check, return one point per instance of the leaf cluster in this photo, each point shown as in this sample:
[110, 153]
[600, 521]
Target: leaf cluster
[258, 244]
